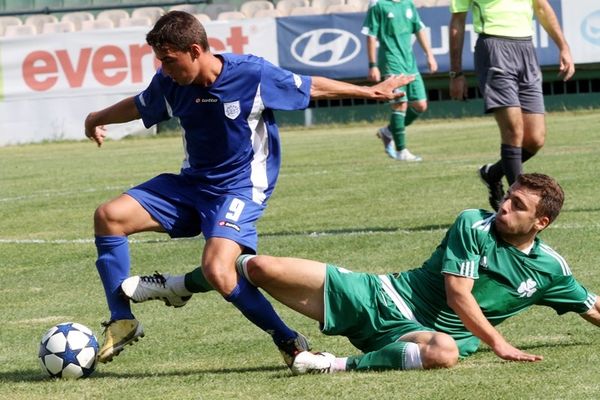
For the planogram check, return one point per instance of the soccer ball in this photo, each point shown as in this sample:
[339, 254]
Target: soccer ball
[68, 350]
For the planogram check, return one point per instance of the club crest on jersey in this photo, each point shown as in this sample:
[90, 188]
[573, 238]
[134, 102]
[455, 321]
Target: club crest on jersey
[229, 225]
[527, 288]
[409, 14]
[232, 110]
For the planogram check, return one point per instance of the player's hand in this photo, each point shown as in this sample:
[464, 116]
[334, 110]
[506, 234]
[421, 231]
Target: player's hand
[432, 63]
[374, 75]
[510, 353]
[458, 88]
[566, 67]
[93, 132]
[386, 90]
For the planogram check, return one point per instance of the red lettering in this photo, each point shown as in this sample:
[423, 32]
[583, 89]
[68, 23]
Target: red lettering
[109, 58]
[74, 77]
[216, 45]
[137, 52]
[35, 66]
[237, 40]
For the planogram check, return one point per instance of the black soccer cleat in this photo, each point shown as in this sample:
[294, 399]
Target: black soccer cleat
[495, 188]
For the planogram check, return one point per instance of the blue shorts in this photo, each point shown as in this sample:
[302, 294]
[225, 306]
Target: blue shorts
[185, 209]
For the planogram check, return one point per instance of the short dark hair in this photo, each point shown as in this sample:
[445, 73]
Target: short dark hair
[179, 31]
[551, 194]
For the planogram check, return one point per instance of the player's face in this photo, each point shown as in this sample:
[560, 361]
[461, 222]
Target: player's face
[516, 215]
[178, 65]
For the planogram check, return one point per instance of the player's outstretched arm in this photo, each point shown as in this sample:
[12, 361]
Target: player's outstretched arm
[325, 88]
[123, 111]
[460, 299]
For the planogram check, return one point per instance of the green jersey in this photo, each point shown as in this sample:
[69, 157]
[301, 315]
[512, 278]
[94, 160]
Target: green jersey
[509, 18]
[393, 23]
[507, 280]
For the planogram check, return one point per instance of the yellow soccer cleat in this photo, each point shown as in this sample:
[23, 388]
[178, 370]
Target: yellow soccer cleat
[118, 334]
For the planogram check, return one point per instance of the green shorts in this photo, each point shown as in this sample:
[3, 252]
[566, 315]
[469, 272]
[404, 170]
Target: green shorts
[415, 91]
[356, 306]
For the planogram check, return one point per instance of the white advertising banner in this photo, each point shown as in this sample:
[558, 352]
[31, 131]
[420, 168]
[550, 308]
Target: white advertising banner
[49, 83]
[581, 24]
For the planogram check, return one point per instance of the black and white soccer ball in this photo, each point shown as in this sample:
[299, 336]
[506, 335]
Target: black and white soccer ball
[68, 350]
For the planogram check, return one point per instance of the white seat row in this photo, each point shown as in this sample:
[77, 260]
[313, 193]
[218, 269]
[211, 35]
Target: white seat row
[78, 21]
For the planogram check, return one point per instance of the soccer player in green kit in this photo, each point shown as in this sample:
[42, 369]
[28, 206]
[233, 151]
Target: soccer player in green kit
[392, 23]
[488, 267]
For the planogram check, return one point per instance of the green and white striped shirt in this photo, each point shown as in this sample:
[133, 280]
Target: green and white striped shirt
[506, 280]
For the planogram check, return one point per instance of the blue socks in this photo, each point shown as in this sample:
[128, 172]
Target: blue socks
[250, 301]
[113, 267]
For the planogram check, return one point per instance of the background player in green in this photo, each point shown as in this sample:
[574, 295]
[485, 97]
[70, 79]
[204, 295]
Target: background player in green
[509, 77]
[487, 268]
[391, 23]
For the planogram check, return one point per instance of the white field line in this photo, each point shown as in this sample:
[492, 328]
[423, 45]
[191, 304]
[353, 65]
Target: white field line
[290, 234]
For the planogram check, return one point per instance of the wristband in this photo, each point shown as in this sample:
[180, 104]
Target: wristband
[372, 64]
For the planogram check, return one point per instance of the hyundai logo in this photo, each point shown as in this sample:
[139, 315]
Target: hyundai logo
[590, 28]
[325, 47]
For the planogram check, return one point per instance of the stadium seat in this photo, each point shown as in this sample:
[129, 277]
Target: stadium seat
[285, 6]
[268, 14]
[115, 16]
[230, 15]
[425, 3]
[8, 21]
[20, 30]
[214, 9]
[203, 18]
[58, 27]
[341, 8]
[38, 21]
[306, 10]
[322, 5]
[252, 6]
[153, 13]
[188, 8]
[94, 24]
[135, 21]
[77, 18]
[362, 5]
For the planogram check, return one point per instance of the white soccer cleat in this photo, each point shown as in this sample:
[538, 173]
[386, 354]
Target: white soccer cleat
[312, 363]
[405, 155]
[388, 143]
[152, 287]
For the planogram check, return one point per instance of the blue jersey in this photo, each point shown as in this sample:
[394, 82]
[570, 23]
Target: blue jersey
[230, 138]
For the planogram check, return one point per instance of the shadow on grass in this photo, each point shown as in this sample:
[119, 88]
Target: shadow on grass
[35, 375]
[361, 230]
[543, 345]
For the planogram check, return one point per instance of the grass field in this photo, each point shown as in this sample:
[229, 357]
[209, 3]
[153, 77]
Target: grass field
[339, 199]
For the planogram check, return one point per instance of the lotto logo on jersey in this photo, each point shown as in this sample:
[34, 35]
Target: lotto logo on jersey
[229, 225]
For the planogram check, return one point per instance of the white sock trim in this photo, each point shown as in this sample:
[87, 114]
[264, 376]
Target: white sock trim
[242, 266]
[339, 364]
[177, 285]
[412, 356]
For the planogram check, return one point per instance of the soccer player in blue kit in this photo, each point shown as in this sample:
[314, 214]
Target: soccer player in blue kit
[232, 158]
